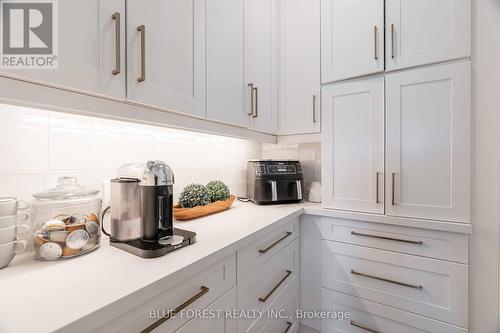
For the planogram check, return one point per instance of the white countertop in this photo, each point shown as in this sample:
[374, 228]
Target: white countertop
[41, 296]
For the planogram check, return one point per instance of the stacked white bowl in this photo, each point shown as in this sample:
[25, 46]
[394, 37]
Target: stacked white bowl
[13, 212]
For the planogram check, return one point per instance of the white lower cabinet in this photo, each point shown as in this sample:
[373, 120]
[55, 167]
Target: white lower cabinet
[367, 316]
[194, 293]
[428, 287]
[220, 323]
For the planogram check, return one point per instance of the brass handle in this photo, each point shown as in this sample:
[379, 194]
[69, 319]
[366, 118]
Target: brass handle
[377, 200]
[142, 30]
[256, 102]
[419, 287]
[363, 327]
[288, 233]
[203, 291]
[314, 109]
[375, 43]
[393, 41]
[393, 189]
[387, 238]
[251, 99]
[288, 326]
[264, 299]
[116, 18]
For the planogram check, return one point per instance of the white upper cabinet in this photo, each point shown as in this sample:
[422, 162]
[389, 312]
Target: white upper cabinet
[426, 31]
[261, 61]
[225, 82]
[428, 143]
[299, 66]
[91, 49]
[166, 54]
[353, 146]
[352, 38]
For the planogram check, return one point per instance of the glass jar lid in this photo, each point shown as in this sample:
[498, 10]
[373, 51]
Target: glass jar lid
[67, 188]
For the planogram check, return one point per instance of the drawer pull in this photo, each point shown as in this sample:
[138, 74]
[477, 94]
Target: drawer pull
[267, 249]
[387, 238]
[288, 326]
[142, 30]
[363, 327]
[203, 291]
[419, 287]
[116, 18]
[263, 300]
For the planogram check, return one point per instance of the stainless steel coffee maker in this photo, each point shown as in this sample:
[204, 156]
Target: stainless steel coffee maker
[150, 232]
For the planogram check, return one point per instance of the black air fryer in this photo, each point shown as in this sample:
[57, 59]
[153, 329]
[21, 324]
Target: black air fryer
[274, 181]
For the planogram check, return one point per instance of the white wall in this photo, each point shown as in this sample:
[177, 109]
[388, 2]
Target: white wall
[484, 308]
[37, 146]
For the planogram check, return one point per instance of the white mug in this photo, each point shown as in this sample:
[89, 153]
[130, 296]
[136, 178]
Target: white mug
[9, 234]
[9, 250]
[11, 205]
[7, 221]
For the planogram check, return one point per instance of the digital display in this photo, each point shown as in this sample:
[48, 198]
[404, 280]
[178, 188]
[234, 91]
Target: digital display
[281, 169]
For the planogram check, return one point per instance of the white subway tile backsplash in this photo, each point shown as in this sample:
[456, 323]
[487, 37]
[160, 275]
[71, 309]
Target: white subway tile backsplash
[23, 149]
[47, 145]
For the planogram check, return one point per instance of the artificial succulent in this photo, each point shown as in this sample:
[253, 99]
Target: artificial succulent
[217, 191]
[194, 195]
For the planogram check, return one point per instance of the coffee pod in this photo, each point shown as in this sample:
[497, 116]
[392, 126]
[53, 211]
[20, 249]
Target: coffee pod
[54, 224]
[58, 236]
[77, 239]
[76, 219]
[67, 252]
[50, 251]
[73, 227]
[92, 228]
[39, 240]
[92, 217]
[62, 217]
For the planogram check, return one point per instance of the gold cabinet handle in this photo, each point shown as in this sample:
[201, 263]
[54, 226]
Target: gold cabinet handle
[203, 291]
[393, 182]
[116, 18]
[264, 299]
[375, 42]
[363, 327]
[288, 234]
[142, 30]
[250, 85]
[256, 91]
[413, 286]
[288, 326]
[314, 109]
[354, 233]
[393, 41]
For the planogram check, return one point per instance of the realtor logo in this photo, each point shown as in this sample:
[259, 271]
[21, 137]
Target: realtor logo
[28, 34]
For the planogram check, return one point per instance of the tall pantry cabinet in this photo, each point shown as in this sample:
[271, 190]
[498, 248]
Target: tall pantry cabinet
[421, 113]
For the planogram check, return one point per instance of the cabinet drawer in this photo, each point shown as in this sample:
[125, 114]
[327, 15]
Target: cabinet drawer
[420, 242]
[255, 254]
[260, 288]
[429, 287]
[376, 318]
[195, 293]
[211, 325]
[281, 316]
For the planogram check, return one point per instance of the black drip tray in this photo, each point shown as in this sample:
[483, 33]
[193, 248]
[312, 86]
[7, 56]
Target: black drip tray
[144, 249]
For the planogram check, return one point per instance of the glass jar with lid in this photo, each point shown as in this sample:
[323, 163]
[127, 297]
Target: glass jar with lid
[66, 220]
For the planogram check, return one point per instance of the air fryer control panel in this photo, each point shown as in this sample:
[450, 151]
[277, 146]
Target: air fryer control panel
[277, 168]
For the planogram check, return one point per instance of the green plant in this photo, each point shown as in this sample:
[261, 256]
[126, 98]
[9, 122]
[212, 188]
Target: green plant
[217, 190]
[194, 195]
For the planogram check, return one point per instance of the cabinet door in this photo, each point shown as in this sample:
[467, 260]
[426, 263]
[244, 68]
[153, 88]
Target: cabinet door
[426, 31]
[352, 38]
[219, 323]
[91, 52]
[166, 54]
[352, 146]
[225, 62]
[299, 66]
[261, 64]
[428, 143]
